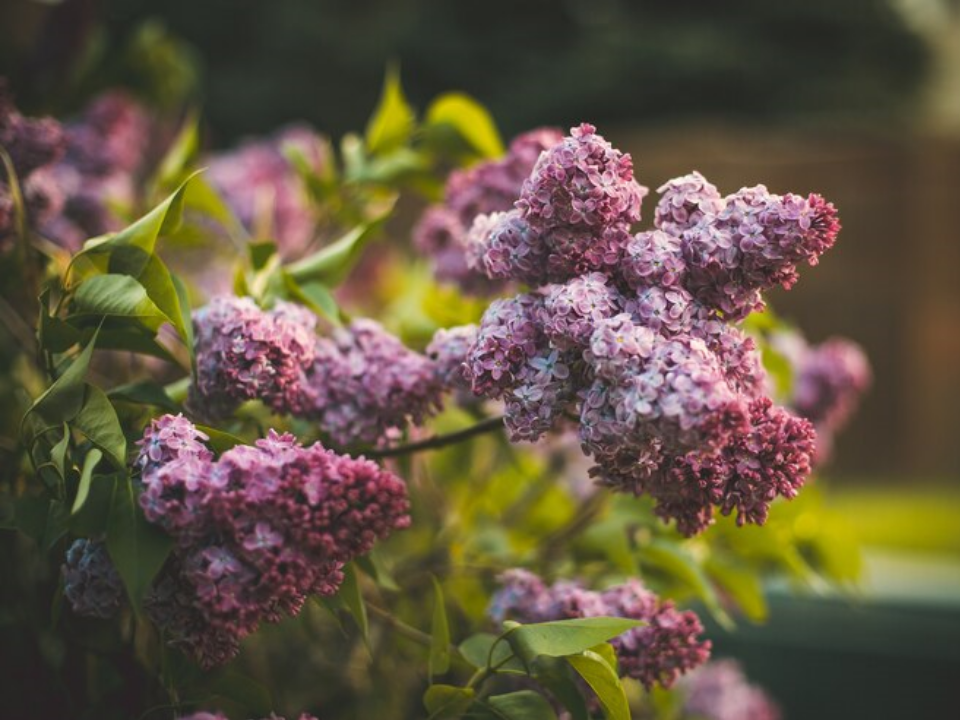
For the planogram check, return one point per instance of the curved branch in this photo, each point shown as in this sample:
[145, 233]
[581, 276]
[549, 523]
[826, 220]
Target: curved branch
[439, 441]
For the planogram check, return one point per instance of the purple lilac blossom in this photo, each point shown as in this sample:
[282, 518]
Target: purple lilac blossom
[571, 311]
[245, 353]
[829, 380]
[364, 385]
[581, 181]
[503, 247]
[256, 532]
[719, 690]
[91, 583]
[487, 187]
[653, 258]
[106, 147]
[754, 244]
[260, 182]
[203, 715]
[448, 350]
[684, 201]
[34, 145]
[657, 653]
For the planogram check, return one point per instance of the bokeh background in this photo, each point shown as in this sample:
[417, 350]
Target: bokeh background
[858, 100]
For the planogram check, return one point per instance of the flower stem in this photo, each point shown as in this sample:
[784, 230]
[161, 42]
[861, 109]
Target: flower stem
[439, 441]
[407, 631]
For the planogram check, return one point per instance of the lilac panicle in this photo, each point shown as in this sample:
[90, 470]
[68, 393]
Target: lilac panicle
[91, 583]
[256, 532]
[830, 378]
[245, 353]
[365, 385]
[719, 690]
[653, 258]
[571, 311]
[448, 350]
[503, 246]
[581, 181]
[657, 653]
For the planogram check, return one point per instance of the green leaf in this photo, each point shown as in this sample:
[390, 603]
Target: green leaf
[470, 120]
[372, 565]
[440, 634]
[555, 675]
[565, 637]
[30, 516]
[56, 526]
[353, 599]
[186, 321]
[116, 296]
[447, 701]
[86, 476]
[145, 392]
[98, 421]
[180, 153]
[740, 583]
[156, 279]
[482, 647]
[63, 400]
[675, 560]
[603, 680]
[252, 696]
[220, 441]
[59, 452]
[260, 253]
[520, 705]
[331, 264]
[143, 233]
[315, 296]
[138, 549]
[393, 120]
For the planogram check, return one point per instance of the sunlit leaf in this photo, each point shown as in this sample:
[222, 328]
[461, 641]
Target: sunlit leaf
[447, 701]
[603, 680]
[565, 637]
[470, 120]
[393, 120]
[86, 477]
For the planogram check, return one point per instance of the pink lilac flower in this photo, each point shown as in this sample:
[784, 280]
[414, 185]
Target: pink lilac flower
[503, 247]
[653, 259]
[106, 149]
[256, 532]
[448, 350]
[571, 311]
[828, 383]
[169, 437]
[656, 653]
[581, 181]
[245, 353]
[545, 390]
[719, 690]
[684, 201]
[577, 250]
[508, 338]
[263, 187]
[771, 460]
[482, 189]
[91, 583]
[667, 310]
[753, 244]
[365, 385]
[33, 144]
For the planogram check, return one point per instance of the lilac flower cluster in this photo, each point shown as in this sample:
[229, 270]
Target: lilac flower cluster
[33, 145]
[244, 353]
[488, 187]
[720, 691]
[829, 380]
[220, 716]
[656, 653]
[364, 384]
[91, 583]
[262, 185]
[632, 337]
[105, 151]
[256, 531]
[361, 383]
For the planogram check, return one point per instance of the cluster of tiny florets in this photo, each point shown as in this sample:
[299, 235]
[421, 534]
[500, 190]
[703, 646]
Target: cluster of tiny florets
[34, 145]
[365, 385]
[261, 183]
[91, 583]
[828, 382]
[487, 187]
[719, 691]
[656, 653]
[244, 353]
[631, 337]
[256, 531]
[106, 149]
[448, 350]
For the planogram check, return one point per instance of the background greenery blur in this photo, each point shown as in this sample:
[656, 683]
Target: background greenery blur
[858, 100]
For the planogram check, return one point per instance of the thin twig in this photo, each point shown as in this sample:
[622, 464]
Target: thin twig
[408, 631]
[439, 441]
[577, 524]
